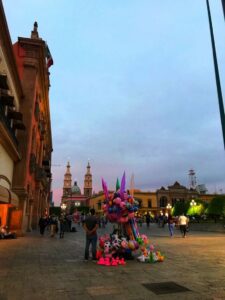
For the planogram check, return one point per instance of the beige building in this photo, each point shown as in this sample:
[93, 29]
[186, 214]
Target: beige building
[156, 202]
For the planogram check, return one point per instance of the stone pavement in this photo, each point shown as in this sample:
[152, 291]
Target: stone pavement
[44, 268]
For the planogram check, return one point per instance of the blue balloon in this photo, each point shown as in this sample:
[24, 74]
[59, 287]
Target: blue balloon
[114, 209]
[110, 209]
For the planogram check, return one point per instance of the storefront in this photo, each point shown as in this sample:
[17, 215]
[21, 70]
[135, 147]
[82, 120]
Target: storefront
[9, 214]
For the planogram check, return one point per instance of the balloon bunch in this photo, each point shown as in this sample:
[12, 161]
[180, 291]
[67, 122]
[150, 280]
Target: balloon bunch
[114, 245]
[149, 254]
[120, 206]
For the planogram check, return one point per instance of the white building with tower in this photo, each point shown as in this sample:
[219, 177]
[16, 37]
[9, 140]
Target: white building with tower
[72, 196]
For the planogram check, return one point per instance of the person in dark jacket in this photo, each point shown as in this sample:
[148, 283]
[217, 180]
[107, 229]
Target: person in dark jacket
[42, 224]
[91, 226]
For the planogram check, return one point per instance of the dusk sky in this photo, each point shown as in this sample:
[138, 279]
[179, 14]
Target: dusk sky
[132, 88]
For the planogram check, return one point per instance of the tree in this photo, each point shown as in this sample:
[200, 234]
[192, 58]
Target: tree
[55, 210]
[198, 209]
[217, 207]
[180, 208]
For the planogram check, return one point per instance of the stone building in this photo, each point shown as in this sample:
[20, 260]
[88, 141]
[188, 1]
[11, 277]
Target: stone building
[11, 122]
[72, 196]
[32, 173]
[156, 202]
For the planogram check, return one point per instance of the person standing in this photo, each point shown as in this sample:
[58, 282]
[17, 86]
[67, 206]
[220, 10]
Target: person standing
[148, 218]
[183, 222]
[91, 226]
[42, 224]
[62, 226]
[171, 225]
[53, 225]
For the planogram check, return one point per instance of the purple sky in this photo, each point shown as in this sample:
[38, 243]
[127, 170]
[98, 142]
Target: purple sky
[132, 88]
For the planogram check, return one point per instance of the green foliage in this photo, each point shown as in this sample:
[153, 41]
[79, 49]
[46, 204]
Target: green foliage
[198, 209]
[55, 210]
[72, 209]
[84, 209]
[180, 208]
[217, 206]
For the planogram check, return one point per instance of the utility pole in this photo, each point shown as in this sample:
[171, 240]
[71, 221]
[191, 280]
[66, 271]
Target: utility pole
[223, 4]
[219, 91]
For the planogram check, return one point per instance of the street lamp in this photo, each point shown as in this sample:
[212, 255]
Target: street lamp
[63, 206]
[168, 206]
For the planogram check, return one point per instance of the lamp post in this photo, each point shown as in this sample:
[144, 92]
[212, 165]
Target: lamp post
[168, 206]
[63, 207]
[216, 68]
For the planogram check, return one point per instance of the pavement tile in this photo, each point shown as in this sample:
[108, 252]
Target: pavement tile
[34, 267]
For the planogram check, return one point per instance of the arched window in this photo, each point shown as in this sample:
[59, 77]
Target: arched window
[163, 201]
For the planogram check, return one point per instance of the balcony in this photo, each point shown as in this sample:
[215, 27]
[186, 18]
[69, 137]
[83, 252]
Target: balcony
[40, 175]
[7, 124]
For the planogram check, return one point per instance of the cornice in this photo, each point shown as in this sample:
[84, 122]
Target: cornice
[6, 44]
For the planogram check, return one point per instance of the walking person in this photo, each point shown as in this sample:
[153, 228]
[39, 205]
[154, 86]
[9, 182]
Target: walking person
[183, 222]
[53, 225]
[91, 226]
[42, 224]
[171, 225]
[62, 226]
[148, 218]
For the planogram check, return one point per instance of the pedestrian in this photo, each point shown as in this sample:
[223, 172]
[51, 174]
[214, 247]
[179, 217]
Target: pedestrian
[183, 222]
[171, 225]
[148, 218]
[53, 225]
[76, 217]
[62, 226]
[91, 226]
[42, 224]
[82, 218]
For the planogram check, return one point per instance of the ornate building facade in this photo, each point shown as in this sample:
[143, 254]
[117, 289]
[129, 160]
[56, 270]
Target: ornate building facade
[72, 196]
[156, 202]
[32, 173]
[11, 121]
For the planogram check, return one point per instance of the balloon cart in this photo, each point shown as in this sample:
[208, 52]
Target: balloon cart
[125, 242]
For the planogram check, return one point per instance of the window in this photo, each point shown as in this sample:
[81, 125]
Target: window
[149, 203]
[163, 201]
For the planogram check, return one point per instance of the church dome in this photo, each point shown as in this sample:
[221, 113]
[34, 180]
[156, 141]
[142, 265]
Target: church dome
[75, 189]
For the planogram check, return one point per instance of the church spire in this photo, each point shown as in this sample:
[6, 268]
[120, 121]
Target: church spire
[67, 185]
[88, 182]
[34, 32]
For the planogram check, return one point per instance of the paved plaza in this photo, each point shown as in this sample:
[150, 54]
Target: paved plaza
[39, 268]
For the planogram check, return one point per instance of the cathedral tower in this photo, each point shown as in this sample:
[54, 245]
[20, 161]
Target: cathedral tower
[67, 181]
[88, 182]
